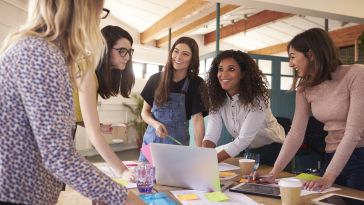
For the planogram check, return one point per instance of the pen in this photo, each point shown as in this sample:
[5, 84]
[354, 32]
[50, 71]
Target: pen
[173, 139]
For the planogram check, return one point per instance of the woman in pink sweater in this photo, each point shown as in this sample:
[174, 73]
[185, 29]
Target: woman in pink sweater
[334, 94]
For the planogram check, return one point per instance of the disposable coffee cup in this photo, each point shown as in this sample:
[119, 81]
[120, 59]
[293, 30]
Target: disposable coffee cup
[290, 191]
[246, 166]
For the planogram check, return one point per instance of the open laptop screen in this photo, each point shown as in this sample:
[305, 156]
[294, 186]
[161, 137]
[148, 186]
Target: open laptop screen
[186, 166]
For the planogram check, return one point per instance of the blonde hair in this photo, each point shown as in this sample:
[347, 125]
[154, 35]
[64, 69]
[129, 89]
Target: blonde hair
[72, 25]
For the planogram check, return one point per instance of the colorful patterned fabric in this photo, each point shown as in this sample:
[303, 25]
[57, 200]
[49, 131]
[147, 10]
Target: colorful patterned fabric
[36, 121]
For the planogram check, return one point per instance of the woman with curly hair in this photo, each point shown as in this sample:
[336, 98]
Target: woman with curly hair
[239, 100]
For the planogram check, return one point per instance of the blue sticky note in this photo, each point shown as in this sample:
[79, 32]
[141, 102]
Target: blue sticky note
[157, 199]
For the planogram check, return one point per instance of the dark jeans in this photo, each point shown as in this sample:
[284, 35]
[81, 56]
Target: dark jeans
[268, 153]
[353, 173]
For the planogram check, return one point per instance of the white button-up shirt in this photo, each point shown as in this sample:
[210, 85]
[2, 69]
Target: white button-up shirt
[251, 128]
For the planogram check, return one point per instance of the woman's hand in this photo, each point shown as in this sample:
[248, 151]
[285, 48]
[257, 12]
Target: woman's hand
[265, 179]
[128, 175]
[320, 184]
[106, 128]
[161, 130]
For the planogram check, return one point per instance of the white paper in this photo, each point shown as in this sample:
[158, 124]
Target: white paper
[234, 198]
[305, 192]
[106, 169]
[227, 167]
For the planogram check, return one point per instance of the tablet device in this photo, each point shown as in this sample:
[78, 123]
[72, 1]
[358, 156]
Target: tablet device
[257, 189]
[337, 199]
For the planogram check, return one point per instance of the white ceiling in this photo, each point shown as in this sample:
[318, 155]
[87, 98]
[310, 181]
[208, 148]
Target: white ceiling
[142, 14]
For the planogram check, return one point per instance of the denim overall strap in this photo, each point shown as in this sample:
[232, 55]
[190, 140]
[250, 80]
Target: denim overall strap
[173, 115]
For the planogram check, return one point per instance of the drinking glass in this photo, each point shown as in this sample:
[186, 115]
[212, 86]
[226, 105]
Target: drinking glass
[144, 177]
[255, 157]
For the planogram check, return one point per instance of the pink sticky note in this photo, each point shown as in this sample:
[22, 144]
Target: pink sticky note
[146, 152]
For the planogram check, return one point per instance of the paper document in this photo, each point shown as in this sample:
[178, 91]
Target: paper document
[305, 192]
[146, 152]
[194, 197]
[106, 169]
[227, 167]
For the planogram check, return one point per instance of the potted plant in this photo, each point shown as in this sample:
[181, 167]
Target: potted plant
[137, 122]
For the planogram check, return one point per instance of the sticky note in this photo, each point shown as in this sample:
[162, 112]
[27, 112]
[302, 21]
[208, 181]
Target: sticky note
[216, 184]
[146, 152]
[121, 181]
[305, 176]
[187, 197]
[243, 180]
[216, 196]
[227, 174]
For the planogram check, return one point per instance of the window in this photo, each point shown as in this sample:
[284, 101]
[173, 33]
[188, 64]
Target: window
[286, 76]
[138, 69]
[208, 64]
[202, 67]
[266, 67]
[151, 69]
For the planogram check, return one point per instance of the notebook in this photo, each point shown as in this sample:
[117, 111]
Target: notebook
[186, 166]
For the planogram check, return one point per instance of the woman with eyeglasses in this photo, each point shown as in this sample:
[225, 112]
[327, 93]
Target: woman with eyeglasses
[36, 106]
[114, 75]
[173, 96]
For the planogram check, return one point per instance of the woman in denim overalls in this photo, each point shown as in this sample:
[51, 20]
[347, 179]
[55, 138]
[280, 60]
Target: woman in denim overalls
[166, 111]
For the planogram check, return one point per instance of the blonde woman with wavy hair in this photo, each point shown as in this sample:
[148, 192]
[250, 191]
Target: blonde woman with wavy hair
[36, 106]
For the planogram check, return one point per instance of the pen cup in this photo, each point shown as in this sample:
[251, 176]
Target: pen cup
[144, 177]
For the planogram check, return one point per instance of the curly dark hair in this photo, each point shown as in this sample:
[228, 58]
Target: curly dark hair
[253, 85]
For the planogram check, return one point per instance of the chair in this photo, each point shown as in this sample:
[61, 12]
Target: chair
[311, 153]
[285, 122]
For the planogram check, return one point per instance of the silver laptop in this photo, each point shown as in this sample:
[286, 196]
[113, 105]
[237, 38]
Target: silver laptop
[186, 167]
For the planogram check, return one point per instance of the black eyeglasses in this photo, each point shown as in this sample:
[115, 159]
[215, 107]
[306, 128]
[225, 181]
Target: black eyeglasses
[124, 51]
[104, 13]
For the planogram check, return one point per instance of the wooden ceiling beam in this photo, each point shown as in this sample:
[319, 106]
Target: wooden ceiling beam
[346, 36]
[342, 37]
[253, 21]
[225, 9]
[278, 48]
[188, 7]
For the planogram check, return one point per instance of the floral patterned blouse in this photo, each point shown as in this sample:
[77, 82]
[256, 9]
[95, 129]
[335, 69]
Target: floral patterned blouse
[36, 122]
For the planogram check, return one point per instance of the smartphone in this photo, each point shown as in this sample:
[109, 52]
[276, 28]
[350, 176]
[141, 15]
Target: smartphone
[338, 199]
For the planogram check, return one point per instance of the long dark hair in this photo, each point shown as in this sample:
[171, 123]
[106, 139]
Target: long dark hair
[253, 85]
[162, 92]
[326, 58]
[114, 81]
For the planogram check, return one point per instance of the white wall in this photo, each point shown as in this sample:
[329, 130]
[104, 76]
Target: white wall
[13, 14]
[212, 46]
[11, 17]
[348, 10]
